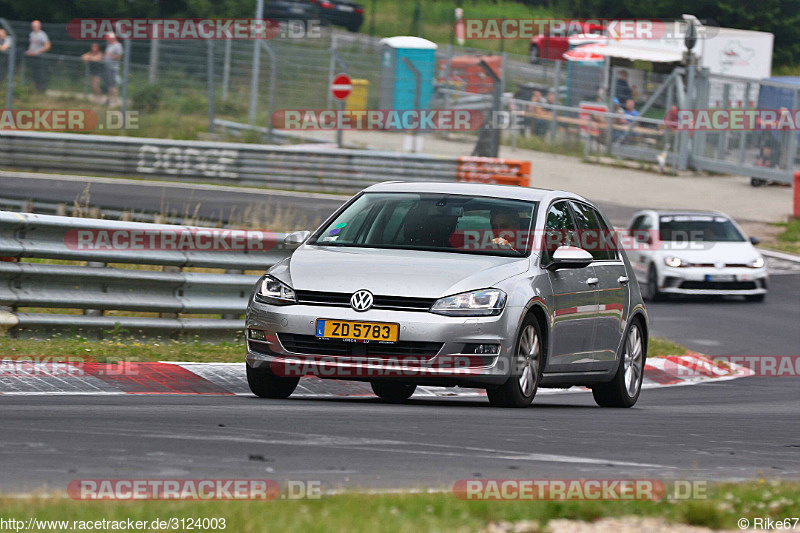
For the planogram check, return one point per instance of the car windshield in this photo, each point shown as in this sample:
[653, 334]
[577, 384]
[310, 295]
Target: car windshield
[699, 228]
[433, 222]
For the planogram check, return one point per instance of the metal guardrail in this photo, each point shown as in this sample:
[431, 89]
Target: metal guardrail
[231, 163]
[67, 209]
[96, 287]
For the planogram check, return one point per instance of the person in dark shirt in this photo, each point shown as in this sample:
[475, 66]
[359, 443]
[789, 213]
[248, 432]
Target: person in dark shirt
[622, 90]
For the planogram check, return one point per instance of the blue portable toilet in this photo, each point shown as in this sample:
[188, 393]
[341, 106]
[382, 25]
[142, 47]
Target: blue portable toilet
[398, 84]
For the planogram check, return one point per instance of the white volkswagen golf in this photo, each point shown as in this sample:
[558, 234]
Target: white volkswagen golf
[695, 253]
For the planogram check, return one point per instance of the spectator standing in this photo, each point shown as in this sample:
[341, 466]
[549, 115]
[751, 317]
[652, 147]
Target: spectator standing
[38, 44]
[94, 59]
[622, 90]
[112, 58]
[5, 52]
[538, 112]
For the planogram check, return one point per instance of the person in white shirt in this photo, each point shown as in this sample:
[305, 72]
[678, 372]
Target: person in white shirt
[112, 57]
[38, 44]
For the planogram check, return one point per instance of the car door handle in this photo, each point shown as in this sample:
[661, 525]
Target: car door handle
[592, 281]
[623, 280]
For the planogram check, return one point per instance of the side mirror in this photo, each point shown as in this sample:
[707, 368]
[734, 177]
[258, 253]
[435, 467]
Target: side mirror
[570, 257]
[754, 240]
[298, 237]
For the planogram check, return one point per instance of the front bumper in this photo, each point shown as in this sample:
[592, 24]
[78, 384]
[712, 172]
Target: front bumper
[445, 338]
[707, 281]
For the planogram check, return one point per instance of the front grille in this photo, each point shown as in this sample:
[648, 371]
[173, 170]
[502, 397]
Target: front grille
[719, 285]
[342, 299]
[309, 344]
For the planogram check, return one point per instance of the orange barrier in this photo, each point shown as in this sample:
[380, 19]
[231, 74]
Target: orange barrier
[797, 194]
[494, 170]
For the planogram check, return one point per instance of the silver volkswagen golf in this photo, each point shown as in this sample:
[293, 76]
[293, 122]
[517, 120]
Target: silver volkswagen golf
[502, 288]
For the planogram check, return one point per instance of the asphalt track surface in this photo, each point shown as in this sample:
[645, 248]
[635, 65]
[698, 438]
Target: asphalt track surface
[732, 430]
[736, 429]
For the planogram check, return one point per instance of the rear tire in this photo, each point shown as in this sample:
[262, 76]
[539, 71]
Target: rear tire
[757, 182]
[624, 389]
[533, 55]
[265, 384]
[393, 392]
[526, 372]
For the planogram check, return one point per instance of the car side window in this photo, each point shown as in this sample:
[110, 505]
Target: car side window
[592, 232]
[559, 230]
[641, 228]
[611, 241]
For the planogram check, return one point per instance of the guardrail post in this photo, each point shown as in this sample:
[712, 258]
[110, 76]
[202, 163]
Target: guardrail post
[93, 312]
[168, 268]
[232, 271]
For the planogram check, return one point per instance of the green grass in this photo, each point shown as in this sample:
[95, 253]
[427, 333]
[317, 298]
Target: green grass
[396, 18]
[121, 346]
[789, 239]
[440, 512]
[660, 347]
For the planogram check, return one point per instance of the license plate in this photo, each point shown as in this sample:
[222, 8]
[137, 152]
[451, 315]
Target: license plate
[298, 10]
[357, 331]
[349, 9]
[720, 277]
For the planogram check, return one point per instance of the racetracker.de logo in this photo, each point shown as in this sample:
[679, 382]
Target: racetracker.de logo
[736, 119]
[378, 119]
[48, 119]
[581, 30]
[175, 29]
[180, 239]
[173, 489]
[579, 489]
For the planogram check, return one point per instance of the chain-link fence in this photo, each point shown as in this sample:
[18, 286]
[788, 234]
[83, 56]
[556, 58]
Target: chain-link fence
[584, 108]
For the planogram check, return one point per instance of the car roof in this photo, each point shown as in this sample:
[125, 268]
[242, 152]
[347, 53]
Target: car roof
[512, 192]
[678, 212]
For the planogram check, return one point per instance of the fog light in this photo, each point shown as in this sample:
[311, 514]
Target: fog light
[482, 349]
[257, 334]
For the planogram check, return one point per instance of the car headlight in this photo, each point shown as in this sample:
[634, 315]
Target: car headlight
[757, 263]
[485, 302]
[675, 262]
[273, 291]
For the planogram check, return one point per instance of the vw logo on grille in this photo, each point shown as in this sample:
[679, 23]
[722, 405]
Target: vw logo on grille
[361, 300]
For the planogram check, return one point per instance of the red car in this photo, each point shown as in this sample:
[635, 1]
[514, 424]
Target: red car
[552, 45]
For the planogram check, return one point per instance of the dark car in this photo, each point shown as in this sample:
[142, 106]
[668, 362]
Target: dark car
[282, 10]
[343, 13]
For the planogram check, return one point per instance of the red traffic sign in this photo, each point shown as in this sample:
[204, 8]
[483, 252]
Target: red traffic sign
[341, 87]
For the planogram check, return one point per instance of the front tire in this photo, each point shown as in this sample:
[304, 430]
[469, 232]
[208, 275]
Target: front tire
[624, 389]
[393, 392]
[526, 371]
[755, 297]
[653, 293]
[265, 384]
